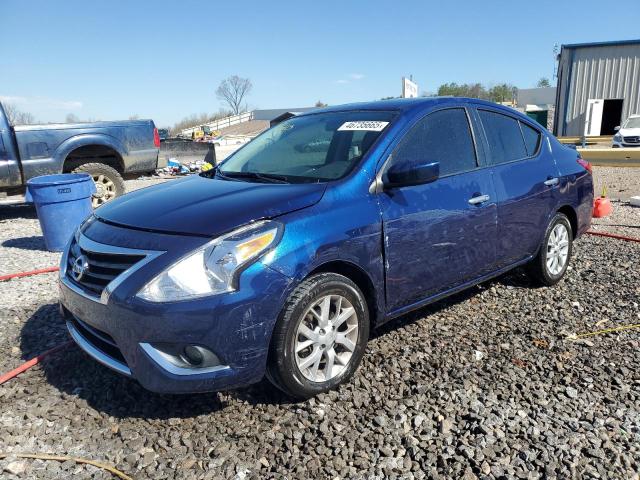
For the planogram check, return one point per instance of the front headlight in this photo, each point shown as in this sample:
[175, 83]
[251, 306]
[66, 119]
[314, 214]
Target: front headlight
[215, 267]
[617, 137]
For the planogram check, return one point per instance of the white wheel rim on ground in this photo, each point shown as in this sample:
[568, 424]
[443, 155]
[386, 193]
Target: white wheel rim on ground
[326, 338]
[105, 190]
[557, 249]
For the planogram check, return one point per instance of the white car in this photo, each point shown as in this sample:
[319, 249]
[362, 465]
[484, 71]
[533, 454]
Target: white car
[629, 134]
[227, 140]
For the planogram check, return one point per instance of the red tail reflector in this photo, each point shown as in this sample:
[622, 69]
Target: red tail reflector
[585, 164]
[156, 138]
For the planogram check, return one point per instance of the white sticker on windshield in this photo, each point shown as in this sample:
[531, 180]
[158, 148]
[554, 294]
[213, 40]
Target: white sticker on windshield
[368, 125]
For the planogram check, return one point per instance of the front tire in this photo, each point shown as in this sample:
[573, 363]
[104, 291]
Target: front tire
[551, 263]
[320, 337]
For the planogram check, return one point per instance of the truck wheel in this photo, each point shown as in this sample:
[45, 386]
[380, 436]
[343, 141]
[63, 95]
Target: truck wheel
[320, 337]
[109, 183]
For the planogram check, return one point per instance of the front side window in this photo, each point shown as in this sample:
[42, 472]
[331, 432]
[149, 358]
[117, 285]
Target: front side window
[504, 136]
[443, 136]
[309, 148]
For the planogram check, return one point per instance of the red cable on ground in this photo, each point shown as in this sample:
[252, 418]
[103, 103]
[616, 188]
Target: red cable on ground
[4, 278]
[30, 363]
[613, 235]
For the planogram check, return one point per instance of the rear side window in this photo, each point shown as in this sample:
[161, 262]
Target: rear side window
[531, 138]
[504, 137]
[443, 136]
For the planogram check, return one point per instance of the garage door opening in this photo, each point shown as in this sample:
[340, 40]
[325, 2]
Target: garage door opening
[611, 116]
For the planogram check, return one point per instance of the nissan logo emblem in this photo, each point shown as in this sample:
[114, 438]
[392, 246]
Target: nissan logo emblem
[80, 267]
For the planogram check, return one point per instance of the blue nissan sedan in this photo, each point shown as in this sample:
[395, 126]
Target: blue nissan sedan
[282, 259]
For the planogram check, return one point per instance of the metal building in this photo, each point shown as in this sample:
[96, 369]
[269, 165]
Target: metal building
[598, 87]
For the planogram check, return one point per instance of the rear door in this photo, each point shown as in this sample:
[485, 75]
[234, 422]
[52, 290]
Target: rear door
[441, 234]
[526, 180]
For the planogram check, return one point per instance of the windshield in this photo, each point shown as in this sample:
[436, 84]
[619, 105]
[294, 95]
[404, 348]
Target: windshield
[633, 122]
[310, 148]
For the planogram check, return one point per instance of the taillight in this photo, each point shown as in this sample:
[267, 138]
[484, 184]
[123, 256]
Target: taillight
[585, 164]
[156, 138]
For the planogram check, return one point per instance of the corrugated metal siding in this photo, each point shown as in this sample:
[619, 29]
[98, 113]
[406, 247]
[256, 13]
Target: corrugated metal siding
[596, 72]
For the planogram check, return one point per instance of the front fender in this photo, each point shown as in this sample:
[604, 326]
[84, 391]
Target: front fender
[350, 233]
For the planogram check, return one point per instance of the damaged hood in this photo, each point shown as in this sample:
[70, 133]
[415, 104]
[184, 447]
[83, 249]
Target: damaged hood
[207, 206]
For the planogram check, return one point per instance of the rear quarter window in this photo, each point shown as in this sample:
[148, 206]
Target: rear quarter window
[531, 138]
[504, 137]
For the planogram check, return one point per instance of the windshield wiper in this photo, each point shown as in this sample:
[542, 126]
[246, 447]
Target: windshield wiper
[267, 177]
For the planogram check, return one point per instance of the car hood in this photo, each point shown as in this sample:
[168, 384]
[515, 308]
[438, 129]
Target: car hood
[207, 206]
[629, 132]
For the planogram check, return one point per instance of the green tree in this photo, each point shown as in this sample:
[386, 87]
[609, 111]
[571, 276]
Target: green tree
[472, 90]
[503, 93]
[543, 83]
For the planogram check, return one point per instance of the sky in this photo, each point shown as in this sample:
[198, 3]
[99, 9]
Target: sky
[164, 60]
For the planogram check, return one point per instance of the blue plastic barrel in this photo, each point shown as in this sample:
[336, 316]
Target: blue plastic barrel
[62, 203]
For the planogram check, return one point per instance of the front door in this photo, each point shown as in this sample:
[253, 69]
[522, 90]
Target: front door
[440, 234]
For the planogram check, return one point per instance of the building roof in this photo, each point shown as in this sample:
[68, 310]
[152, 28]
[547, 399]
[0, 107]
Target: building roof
[602, 44]
[536, 96]
[270, 114]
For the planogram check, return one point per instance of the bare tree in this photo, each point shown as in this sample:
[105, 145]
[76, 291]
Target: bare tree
[135, 116]
[17, 117]
[321, 104]
[232, 91]
[71, 118]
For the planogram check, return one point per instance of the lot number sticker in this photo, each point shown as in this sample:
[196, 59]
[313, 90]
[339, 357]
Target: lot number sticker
[368, 125]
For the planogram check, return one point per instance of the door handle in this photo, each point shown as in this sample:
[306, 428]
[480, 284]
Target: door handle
[479, 199]
[550, 182]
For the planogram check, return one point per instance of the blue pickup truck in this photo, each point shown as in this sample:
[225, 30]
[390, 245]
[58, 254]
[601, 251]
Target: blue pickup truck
[105, 150]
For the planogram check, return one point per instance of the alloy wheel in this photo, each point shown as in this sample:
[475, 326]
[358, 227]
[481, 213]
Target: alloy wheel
[326, 338]
[557, 249]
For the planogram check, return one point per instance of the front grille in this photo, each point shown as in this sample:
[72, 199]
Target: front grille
[99, 339]
[102, 267]
[631, 139]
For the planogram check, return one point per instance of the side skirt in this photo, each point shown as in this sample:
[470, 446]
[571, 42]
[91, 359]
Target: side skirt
[439, 296]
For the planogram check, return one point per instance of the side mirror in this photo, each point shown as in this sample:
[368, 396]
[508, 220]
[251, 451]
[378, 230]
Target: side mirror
[407, 174]
[616, 128]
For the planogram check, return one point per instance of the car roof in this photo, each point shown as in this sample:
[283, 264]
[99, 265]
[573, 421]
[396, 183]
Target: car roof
[408, 105]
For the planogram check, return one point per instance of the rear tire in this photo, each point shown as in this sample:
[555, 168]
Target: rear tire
[109, 183]
[320, 337]
[551, 263]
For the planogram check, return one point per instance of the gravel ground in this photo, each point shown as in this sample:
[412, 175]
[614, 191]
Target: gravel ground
[621, 183]
[488, 384]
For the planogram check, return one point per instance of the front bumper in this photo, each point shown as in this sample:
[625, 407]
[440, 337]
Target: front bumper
[120, 331]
